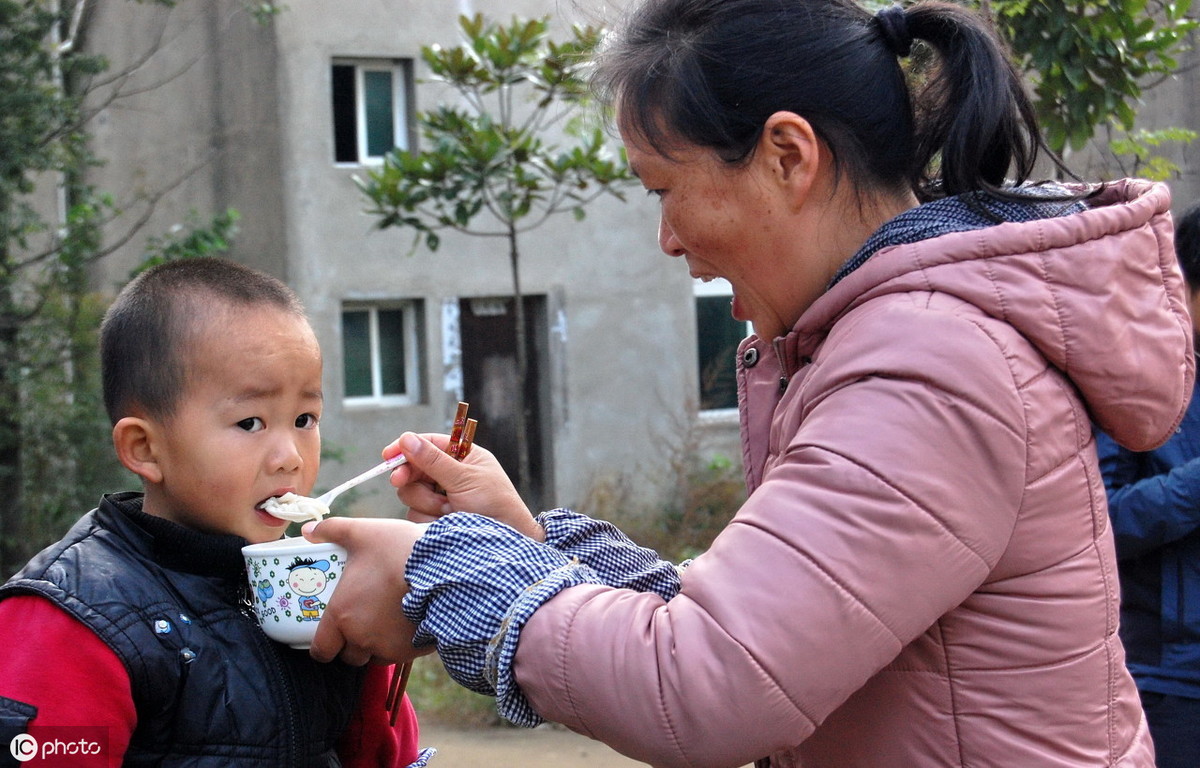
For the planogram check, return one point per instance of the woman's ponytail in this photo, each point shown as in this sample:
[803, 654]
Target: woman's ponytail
[973, 118]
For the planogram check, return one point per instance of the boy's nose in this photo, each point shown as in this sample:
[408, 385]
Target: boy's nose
[288, 457]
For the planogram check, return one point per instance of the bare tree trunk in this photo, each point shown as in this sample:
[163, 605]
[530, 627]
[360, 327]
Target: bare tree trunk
[11, 546]
[523, 469]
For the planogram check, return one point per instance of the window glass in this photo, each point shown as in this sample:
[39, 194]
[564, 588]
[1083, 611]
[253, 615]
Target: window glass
[378, 94]
[392, 352]
[345, 115]
[717, 339]
[382, 352]
[356, 347]
[370, 108]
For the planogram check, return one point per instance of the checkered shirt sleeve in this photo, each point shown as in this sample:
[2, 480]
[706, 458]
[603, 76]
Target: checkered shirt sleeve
[611, 554]
[474, 582]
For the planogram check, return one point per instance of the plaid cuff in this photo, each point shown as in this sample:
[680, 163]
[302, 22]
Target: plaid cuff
[473, 583]
[423, 758]
[614, 557]
[502, 650]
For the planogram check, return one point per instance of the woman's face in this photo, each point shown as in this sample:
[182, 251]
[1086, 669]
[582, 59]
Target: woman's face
[736, 222]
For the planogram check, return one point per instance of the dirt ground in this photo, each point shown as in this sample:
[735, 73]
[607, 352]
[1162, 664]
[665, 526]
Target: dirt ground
[544, 747]
[548, 746]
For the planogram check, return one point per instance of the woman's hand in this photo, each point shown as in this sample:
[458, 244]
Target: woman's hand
[476, 484]
[363, 621]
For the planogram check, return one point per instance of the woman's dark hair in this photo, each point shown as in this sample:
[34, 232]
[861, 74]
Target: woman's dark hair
[146, 335]
[710, 73]
[1187, 245]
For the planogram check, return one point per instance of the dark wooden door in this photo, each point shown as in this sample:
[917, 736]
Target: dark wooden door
[490, 381]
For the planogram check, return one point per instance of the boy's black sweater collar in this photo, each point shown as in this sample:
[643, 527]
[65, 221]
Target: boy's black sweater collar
[178, 547]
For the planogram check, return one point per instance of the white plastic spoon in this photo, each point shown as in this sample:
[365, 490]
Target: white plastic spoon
[297, 508]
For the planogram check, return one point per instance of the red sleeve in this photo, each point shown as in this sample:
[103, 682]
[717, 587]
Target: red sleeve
[54, 662]
[86, 685]
[372, 741]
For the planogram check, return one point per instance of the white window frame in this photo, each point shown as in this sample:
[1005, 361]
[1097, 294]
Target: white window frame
[398, 69]
[716, 287]
[412, 352]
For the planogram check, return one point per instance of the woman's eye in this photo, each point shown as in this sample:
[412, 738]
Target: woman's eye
[655, 193]
[306, 421]
[252, 424]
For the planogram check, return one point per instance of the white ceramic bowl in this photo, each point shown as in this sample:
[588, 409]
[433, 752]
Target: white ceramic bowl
[290, 583]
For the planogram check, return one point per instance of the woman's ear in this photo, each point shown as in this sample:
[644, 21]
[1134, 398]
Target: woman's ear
[793, 150]
[134, 441]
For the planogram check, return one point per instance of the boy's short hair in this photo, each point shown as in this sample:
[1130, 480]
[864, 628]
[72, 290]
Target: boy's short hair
[1187, 245]
[147, 332]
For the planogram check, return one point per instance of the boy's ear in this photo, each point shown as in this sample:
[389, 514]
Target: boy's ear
[134, 441]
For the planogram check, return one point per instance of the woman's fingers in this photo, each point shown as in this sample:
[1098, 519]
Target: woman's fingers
[364, 619]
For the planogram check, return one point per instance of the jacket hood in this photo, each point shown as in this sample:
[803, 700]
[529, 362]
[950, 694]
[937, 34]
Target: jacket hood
[1099, 293]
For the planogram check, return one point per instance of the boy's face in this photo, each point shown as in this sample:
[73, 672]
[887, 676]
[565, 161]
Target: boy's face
[245, 428]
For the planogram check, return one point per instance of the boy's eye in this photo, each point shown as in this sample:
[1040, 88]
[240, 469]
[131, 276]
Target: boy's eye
[252, 424]
[306, 421]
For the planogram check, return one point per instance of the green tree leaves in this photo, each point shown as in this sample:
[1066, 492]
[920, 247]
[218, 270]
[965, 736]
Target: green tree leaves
[1089, 60]
[492, 165]
[497, 152]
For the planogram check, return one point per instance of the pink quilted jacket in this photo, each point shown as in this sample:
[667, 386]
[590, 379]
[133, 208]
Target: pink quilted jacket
[923, 574]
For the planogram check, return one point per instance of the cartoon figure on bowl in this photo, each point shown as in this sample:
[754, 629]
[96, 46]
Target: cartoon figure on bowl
[308, 579]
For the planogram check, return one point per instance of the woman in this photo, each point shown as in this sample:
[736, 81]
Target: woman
[922, 574]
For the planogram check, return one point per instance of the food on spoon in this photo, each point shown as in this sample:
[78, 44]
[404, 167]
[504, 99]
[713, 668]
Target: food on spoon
[295, 508]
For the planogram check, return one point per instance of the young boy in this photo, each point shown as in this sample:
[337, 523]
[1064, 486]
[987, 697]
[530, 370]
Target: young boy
[136, 625]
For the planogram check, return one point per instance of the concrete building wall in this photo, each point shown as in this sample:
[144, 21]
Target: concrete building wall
[245, 112]
[604, 272]
[188, 121]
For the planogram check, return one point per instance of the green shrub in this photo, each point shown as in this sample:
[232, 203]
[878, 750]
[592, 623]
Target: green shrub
[438, 699]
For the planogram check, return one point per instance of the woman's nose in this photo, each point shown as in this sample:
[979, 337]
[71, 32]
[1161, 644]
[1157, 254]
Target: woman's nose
[667, 241]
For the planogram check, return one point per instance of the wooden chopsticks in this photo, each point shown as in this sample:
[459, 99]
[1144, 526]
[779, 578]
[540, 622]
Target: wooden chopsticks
[468, 439]
[462, 433]
[396, 690]
[462, 437]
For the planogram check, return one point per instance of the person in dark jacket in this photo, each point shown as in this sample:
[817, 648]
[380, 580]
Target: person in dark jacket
[132, 637]
[1154, 504]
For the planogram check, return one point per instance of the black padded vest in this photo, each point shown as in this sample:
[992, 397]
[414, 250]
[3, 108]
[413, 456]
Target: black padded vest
[210, 688]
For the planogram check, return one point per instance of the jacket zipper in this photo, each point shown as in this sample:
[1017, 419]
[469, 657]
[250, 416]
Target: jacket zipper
[265, 644]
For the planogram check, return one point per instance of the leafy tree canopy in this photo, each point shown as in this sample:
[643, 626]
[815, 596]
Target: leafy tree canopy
[497, 151]
[1090, 60]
